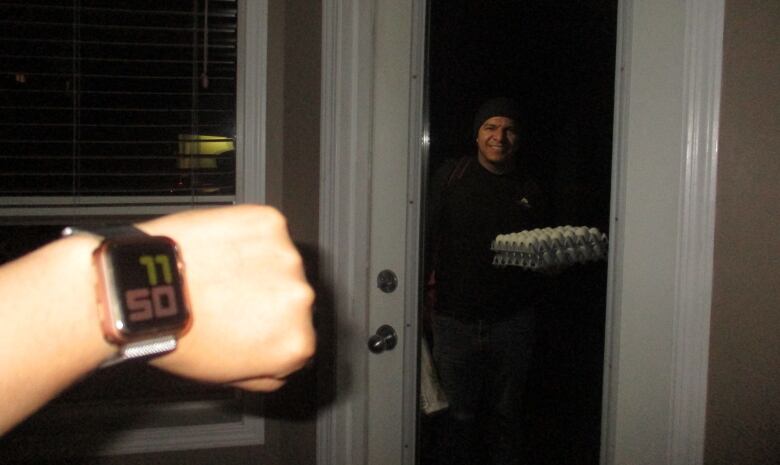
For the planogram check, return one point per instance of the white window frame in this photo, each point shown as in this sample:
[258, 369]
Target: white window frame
[247, 428]
[145, 437]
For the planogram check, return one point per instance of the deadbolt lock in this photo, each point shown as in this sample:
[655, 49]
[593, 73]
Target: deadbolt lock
[387, 281]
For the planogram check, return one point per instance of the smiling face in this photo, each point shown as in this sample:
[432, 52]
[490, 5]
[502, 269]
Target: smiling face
[497, 142]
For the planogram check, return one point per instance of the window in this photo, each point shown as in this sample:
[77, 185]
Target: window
[115, 111]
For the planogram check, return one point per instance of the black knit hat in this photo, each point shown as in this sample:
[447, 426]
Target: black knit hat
[500, 106]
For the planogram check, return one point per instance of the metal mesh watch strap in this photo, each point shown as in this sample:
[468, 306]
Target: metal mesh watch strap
[147, 348]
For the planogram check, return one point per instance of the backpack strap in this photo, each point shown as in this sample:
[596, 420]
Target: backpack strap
[458, 170]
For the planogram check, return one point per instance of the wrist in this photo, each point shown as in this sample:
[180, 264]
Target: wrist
[75, 254]
[58, 330]
[51, 333]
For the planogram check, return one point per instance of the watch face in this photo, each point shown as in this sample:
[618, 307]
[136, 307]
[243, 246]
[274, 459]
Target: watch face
[142, 287]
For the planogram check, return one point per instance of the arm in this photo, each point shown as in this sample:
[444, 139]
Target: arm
[433, 236]
[250, 301]
[433, 207]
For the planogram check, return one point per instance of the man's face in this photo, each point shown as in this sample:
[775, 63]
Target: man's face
[497, 143]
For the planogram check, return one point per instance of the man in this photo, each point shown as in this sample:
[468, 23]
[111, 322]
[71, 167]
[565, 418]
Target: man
[483, 321]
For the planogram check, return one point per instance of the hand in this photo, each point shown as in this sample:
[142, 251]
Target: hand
[251, 304]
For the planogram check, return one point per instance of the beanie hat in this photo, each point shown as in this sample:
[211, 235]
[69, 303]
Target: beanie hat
[500, 106]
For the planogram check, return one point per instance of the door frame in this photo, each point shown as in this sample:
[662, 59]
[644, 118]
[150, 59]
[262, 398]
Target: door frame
[668, 68]
[668, 80]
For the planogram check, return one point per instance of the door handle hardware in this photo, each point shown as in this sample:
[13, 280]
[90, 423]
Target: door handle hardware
[384, 339]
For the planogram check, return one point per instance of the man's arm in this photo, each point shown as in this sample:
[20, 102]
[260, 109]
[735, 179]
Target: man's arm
[251, 309]
[434, 197]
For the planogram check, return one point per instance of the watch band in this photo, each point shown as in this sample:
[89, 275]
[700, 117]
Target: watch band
[137, 350]
[148, 348]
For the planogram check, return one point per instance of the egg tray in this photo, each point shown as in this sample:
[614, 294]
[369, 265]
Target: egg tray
[537, 249]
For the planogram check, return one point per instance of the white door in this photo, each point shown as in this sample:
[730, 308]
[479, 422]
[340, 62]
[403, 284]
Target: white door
[394, 211]
[370, 200]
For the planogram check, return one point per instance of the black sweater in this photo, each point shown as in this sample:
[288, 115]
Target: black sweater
[466, 212]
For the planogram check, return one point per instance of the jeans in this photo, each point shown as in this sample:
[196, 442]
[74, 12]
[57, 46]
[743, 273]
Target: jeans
[483, 366]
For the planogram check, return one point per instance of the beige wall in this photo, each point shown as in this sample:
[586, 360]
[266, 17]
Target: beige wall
[743, 414]
[293, 129]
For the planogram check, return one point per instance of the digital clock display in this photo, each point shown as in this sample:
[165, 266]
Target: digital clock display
[145, 285]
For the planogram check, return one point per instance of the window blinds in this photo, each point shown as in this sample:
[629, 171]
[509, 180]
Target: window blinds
[106, 98]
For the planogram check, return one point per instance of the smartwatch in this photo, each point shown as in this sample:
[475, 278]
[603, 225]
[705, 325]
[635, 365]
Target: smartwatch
[141, 292]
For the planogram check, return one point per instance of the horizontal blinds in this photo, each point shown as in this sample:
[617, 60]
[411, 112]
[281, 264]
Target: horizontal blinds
[107, 98]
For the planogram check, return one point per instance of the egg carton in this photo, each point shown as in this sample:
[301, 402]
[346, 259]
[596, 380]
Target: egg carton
[542, 248]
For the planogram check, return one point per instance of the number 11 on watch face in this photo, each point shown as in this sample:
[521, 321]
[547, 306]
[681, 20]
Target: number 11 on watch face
[151, 262]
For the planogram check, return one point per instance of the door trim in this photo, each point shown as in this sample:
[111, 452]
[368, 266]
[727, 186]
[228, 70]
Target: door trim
[693, 299]
[346, 122]
[666, 127]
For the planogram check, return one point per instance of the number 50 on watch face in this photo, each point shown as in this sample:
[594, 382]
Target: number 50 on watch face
[142, 289]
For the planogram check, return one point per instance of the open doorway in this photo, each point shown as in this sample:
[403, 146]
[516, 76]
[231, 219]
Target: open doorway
[559, 62]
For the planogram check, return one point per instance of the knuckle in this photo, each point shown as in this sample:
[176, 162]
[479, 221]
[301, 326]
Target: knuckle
[272, 218]
[301, 341]
[299, 299]
[300, 346]
[291, 259]
[262, 217]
